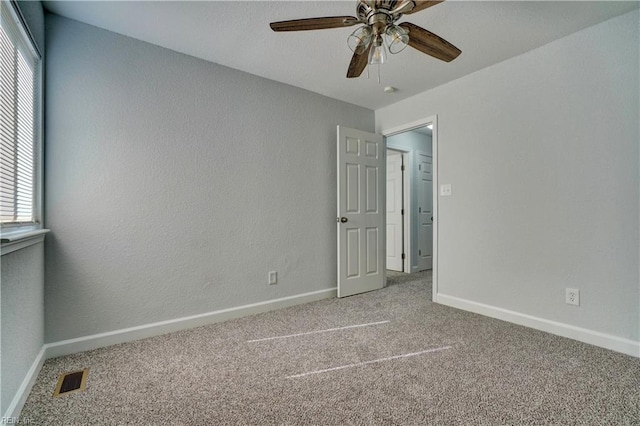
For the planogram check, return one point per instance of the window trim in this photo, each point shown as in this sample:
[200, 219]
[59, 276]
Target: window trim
[14, 236]
[19, 240]
[24, 28]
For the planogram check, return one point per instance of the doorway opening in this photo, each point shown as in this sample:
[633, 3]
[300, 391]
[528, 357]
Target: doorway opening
[410, 198]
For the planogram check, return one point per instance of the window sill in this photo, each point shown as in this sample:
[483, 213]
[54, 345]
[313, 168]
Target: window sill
[16, 240]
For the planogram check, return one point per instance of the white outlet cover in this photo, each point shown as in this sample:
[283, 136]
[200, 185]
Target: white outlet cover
[273, 277]
[572, 296]
[445, 190]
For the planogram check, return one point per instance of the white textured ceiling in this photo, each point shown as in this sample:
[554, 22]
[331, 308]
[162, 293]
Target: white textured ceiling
[237, 34]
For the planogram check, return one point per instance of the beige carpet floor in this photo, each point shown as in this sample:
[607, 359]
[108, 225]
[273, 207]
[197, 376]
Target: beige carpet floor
[389, 357]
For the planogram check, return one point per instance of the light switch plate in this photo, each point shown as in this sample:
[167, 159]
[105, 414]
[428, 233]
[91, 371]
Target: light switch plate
[445, 190]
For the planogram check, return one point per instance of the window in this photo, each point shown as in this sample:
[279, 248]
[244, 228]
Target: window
[20, 125]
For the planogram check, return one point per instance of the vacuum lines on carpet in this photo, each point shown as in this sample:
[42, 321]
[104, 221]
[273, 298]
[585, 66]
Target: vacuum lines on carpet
[318, 331]
[359, 364]
[342, 367]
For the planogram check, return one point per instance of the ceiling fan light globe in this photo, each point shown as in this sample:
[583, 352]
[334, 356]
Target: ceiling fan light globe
[377, 55]
[359, 40]
[396, 38]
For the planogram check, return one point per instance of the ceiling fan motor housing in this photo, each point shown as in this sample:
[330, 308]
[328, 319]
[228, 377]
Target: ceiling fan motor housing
[377, 13]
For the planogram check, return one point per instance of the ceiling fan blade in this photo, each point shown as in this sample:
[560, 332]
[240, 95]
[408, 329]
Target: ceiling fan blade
[358, 63]
[421, 5]
[314, 23]
[429, 43]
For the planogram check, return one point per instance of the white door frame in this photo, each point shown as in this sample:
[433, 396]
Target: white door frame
[406, 205]
[434, 138]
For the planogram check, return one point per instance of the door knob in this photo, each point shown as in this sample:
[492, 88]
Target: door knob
[342, 219]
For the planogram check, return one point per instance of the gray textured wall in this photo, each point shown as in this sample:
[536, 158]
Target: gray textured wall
[542, 152]
[22, 285]
[173, 185]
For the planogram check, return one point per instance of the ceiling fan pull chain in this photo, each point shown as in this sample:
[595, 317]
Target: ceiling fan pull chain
[378, 73]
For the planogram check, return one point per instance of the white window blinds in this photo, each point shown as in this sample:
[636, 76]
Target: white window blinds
[19, 121]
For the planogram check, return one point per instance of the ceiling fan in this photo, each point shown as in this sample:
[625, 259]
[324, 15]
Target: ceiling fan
[378, 18]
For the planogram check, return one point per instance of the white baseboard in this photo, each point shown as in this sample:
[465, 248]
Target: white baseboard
[607, 341]
[95, 341]
[15, 407]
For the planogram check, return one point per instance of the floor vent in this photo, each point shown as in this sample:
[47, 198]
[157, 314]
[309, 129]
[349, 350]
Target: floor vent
[71, 382]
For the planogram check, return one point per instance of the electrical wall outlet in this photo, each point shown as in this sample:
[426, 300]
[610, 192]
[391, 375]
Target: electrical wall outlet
[445, 190]
[572, 296]
[273, 277]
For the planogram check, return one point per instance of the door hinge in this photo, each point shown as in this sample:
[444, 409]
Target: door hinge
[402, 256]
[419, 209]
[419, 252]
[419, 166]
[402, 167]
[402, 211]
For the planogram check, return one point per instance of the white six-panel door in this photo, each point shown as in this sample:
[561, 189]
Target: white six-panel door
[394, 211]
[425, 211]
[360, 221]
